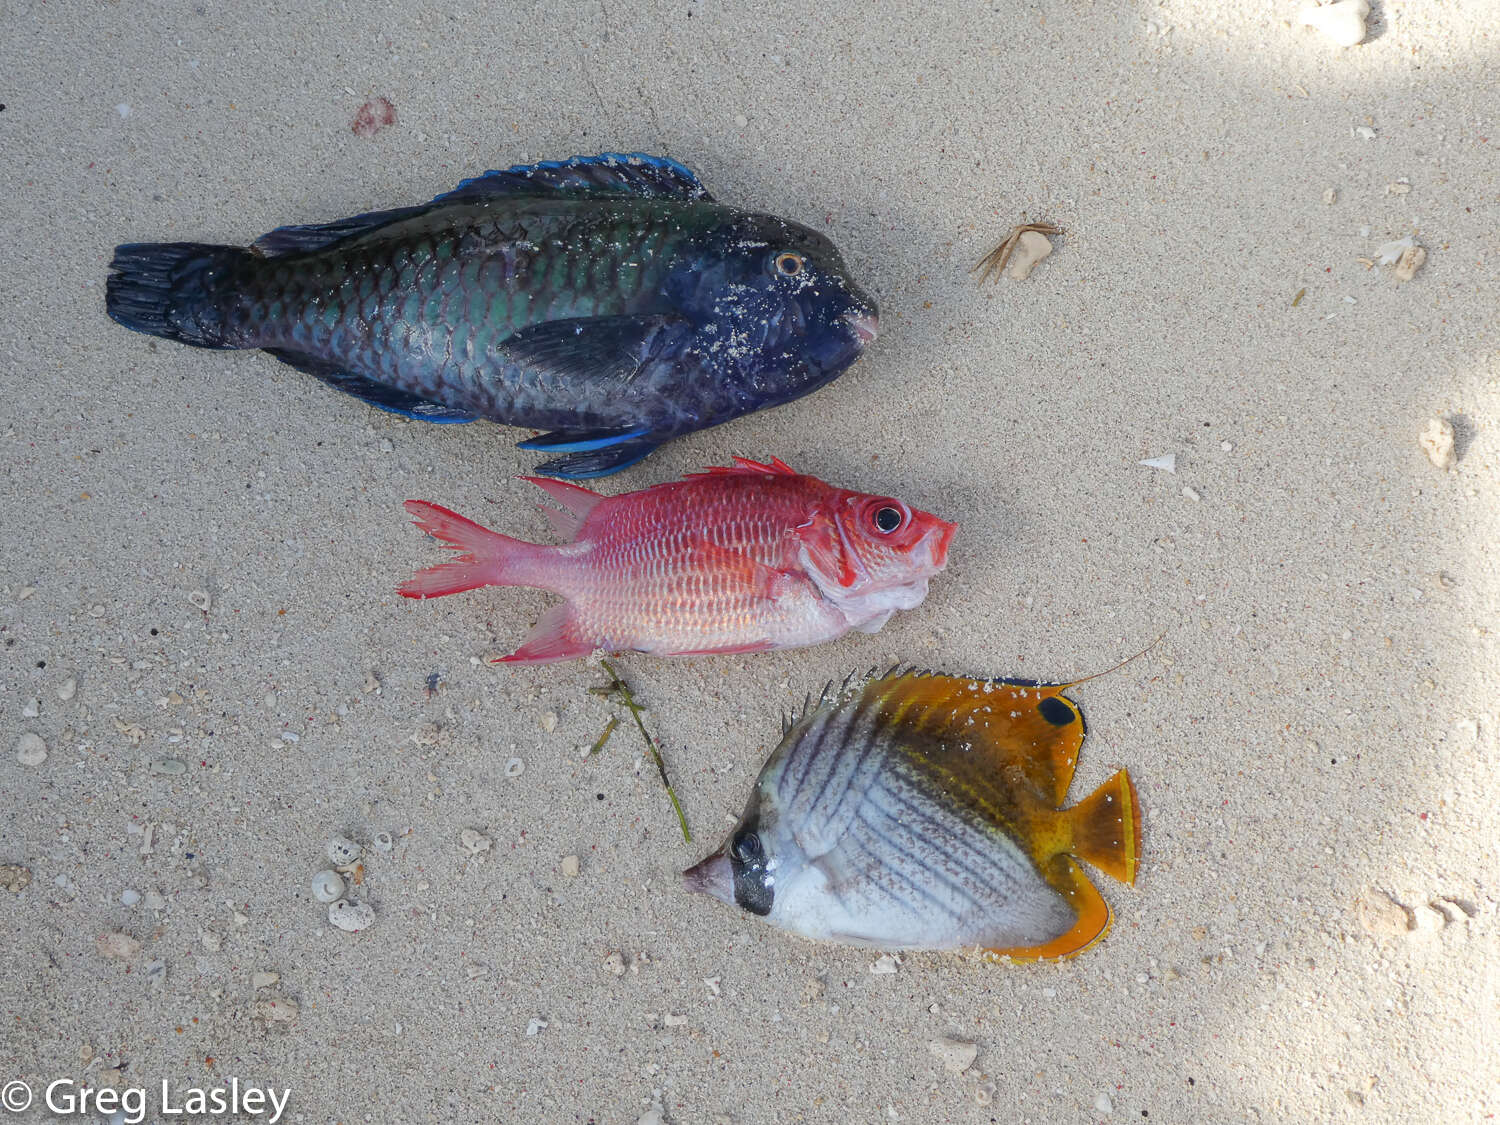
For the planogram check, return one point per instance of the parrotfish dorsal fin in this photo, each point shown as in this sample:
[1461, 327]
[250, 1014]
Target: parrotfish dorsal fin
[1010, 725]
[608, 174]
[303, 239]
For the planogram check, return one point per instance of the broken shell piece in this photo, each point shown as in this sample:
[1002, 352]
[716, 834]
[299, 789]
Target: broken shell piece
[1026, 241]
[1437, 443]
[1167, 462]
[343, 851]
[30, 749]
[383, 842]
[474, 842]
[1390, 252]
[1409, 263]
[1342, 21]
[122, 947]
[327, 886]
[275, 1011]
[200, 599]
[351, 916]
[956, 1055]
[514, 767]
[259, 981]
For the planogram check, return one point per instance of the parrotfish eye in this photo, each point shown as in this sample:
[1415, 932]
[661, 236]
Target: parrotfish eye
[887, 519]
[788, 264]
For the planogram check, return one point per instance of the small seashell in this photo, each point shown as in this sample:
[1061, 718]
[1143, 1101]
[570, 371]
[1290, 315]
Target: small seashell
[885, 964]
[549, 721]
[168, 767]
[351, 916]
[570, 866]
[30, 749]
[343, 851]
[614, 964]
[515, 767]
[534, 1025]
[327, 886]
[200, 599]
[1437, 442]
[474, 842]
[1167, 462]
[67, 689]
[956, 1055]
[383, 842]
[1409, 263]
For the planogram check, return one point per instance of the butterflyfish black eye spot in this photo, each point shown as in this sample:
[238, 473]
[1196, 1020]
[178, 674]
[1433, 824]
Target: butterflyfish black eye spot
[887, 520]
[1056, 712]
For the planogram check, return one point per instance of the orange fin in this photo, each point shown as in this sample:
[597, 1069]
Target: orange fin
[1107, 828]
[1094, 917]
[1012, 727]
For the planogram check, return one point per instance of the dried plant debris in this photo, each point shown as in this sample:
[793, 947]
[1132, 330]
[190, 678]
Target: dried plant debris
[618, 691]
[1034, 249]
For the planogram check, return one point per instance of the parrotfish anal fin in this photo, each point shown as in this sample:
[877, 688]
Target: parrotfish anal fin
[579, 441]
[1014, 727]
[1106, 827]
[378, 395]
[555, 637]
[577, 501]
[598, 462]
[743, 466]
[608, 174]
[319, 236]
[592, 349]
[1093, 912]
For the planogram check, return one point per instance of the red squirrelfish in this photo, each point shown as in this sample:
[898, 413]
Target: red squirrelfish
[729, 560]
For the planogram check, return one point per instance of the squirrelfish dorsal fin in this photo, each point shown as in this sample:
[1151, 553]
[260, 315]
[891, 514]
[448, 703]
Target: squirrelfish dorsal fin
[744, 467]
[1006, 726]
[608, 174]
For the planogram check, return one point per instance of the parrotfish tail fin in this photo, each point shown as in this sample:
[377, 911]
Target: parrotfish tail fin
[1107, 828]
[555, 637]
[168, 289]
[488, 558]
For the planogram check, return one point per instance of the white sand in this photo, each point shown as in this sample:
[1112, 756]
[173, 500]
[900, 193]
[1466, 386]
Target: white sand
[1305, 733]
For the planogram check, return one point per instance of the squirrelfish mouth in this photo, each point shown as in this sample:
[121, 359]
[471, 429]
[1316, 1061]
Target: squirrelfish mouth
[866, 326]
[941, 537]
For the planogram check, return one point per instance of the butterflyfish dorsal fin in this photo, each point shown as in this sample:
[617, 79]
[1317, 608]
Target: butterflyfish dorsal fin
[1011, 727]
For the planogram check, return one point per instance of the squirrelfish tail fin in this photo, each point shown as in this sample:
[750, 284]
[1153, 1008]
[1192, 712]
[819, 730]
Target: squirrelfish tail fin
[1107, 828]
[488, 558]
[171, 289]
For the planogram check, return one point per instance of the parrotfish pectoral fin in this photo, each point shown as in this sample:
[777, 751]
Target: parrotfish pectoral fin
[599, 462]
[554, 638]
[488, 558]
[576, 500]
[390, 399]
[1107, 828]
[608, 174]
[593, 349]
[305, 238]
[1094, 916]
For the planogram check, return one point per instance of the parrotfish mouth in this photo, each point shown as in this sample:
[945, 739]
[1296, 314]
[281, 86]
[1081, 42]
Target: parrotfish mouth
[713, 877]
[866, 326]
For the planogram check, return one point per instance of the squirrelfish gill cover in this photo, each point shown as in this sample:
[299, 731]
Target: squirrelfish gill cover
[923, 811]
[608, 299]
[729, 560]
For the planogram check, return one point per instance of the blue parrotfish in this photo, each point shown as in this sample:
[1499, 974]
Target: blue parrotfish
[606, 299]
[924, 811]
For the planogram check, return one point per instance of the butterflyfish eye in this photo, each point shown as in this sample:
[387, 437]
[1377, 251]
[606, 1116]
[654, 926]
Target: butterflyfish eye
[789, 264]
[887, 520]
[747, 848]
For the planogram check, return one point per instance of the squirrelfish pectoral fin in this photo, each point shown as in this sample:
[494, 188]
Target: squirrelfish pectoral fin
[592, 349]
[993, 726]
[603, 176]
[379, 395]
[1094, 916]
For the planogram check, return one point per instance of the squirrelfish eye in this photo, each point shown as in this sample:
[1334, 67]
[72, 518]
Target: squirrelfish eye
[887, 520]
[789, 264]
[746, 847]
